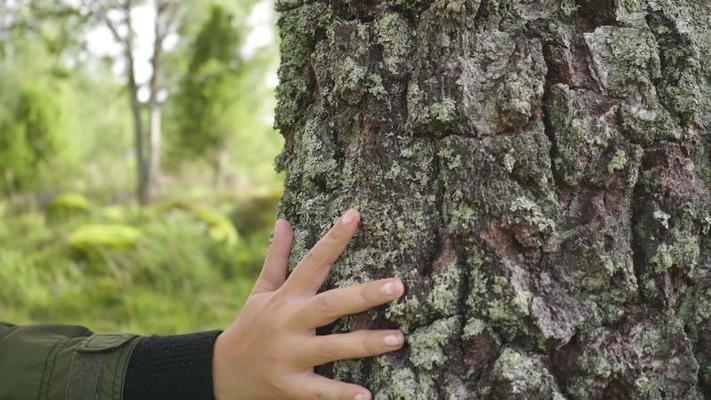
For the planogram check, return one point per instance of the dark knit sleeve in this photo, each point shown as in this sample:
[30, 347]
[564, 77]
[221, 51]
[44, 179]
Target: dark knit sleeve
[171, 367]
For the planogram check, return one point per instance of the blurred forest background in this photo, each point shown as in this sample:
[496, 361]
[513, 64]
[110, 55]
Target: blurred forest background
[137, 187]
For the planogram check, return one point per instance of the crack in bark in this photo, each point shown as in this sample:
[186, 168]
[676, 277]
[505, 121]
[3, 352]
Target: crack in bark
[548, 128]
[637, 253]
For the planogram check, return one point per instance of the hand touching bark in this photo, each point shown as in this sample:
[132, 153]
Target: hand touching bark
[271, 350]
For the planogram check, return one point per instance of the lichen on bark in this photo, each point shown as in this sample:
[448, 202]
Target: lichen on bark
[537, 172]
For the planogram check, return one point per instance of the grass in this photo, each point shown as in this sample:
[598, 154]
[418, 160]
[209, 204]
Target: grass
[174, 267]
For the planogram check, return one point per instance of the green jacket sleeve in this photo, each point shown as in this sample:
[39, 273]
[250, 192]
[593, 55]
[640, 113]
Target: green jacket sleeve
[54, 362]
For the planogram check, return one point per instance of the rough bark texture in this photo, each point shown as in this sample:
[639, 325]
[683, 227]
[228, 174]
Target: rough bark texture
[538, 173]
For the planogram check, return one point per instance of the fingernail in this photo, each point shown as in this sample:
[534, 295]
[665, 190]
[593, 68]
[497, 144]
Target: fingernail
[362, 396]
[349, 217]
[393, 288]
[393, 340]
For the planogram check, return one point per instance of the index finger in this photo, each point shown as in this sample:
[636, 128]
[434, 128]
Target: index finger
[312, 271]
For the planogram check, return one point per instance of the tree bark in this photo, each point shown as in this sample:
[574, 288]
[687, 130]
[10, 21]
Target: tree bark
[154, 149]
[142, 188]
[538, 173]
[155, 86]
[127, 42]
[166, 11]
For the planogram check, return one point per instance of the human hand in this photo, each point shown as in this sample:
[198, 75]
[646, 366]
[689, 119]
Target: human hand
[271, 349]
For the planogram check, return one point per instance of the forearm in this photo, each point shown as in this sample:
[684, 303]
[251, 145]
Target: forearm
[56, 362]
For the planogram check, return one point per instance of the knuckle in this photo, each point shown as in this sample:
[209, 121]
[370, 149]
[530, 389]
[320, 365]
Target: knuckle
[275, 305]
[330, 350]
[274, 387]
[309, 257]
[370, 343]
[367, 294]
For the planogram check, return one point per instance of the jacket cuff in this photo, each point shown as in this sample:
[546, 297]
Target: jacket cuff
[56, 361]
[171, 367]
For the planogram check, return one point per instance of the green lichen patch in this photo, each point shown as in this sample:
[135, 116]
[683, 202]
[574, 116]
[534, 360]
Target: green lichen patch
[647, 122]
[427, 345]
[349, 46]
[658, 345]
[672, 256]
[624, 59]
[316, 151]
[402, 383]
[580, 137]
[681, 65]
[297, 31]
[394, 34]
[520, 375]
[520, 92]
[618, 161]
[600, 263]
[497, 88]
[457, 10]
[284, 5]
[626, 63]
[430, 298]
[512, 199]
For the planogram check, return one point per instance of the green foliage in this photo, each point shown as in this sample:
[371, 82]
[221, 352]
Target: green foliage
[29, 117]
[88, 256]
[208, 88]
[220, 228]
[157, 270]
[221, 116]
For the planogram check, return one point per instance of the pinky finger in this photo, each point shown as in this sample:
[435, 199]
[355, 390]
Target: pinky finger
[315, 386]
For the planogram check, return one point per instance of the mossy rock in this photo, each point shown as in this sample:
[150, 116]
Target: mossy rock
[90, 238]
[114, 213]
[67, 206]
[219, 226]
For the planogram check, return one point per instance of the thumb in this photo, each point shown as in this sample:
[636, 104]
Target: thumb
[273, 272]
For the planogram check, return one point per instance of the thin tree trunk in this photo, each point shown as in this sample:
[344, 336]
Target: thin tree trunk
[127, 40]
[220, 163]
[154, 152]
[155, 105]
[166, 11]
[538, 173]
[142, 187]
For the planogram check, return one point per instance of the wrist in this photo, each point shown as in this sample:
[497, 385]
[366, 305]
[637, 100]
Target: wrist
[172, 367]
[217, 384]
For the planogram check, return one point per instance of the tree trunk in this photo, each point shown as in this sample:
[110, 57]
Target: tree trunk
[220, 161]
[154, 102]
[138, 133]
[153, 181]
[537, 172]
[127, 41]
